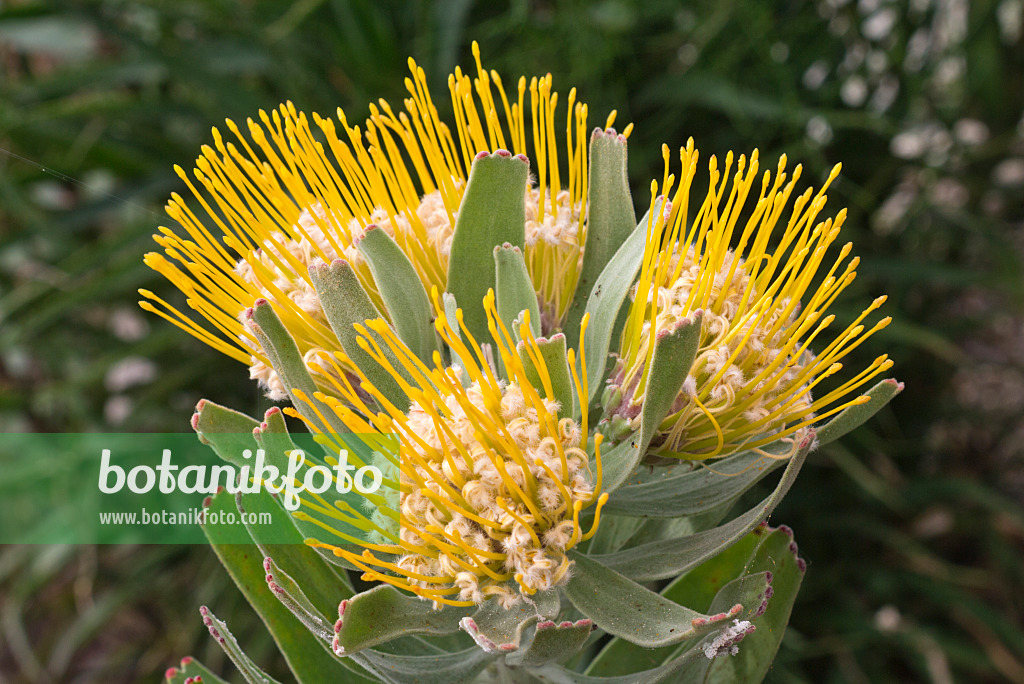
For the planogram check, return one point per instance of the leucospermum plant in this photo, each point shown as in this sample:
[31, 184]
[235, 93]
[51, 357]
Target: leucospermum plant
[566, 402]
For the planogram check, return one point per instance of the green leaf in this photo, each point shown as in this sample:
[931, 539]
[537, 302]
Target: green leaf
[673, 355]
[190, 667]
[777, 553]
[289, 551]
[693, 491]
[853, 417]
[402, 291]
[219, 631]
[552, 354]
[291, 595]
[307, 656]
[701, 588]
[383, 613]
[228, 432]
[286, 360]
[666, 558]
[513, 289]
[610, 218]
[619, 462]
[493, 212]
[552, 642]
[613, 532]
[657, 529]
[625, 609]
[608, 295]
[674, 352]
[448, 668]
[272, 436]
[451, 309]
[505, 630]
[688, 668]
[347, 306]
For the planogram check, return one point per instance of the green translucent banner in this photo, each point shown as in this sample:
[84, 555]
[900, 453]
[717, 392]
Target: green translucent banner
[166, 488]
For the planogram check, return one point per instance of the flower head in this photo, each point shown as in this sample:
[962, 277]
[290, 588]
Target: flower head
[297, 190]
[761, 307]
[492, 480]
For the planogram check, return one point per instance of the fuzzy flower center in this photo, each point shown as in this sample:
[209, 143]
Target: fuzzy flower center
[278, 269]
[515, 512]
[733, 350]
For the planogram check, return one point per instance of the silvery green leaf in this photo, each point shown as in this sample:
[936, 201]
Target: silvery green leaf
[656, 529]
[283, 539]
[283, 354]
[667, 558]
[688, 668]
[294, 598]
[777, 554]
[613, 533]
[552, 353]
[513, 289]
[697, 588]
[671, 361]
[219, 631]
[307, 655]
[625, 609]
[676, 493]
[608, 295]
[610, 218]
[227, 431]
[492, 212]
[383, 613]
[444, 668]
[402, 291]
[504, 630]
[552, 642]
[346, 306]
[674, 352]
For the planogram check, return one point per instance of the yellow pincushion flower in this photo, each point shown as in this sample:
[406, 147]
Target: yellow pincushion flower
[492, 481]
[296, 190]
[761, 307]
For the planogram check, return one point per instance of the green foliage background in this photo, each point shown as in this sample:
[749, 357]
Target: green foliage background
[914, 527]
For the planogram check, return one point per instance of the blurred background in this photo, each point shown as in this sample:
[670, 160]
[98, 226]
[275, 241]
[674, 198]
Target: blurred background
[913, 527]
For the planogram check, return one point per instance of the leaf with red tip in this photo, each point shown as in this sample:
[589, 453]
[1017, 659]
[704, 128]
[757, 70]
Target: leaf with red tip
[506, 630]
[219, 631]
[492, 212]
[190, 667]
[382, 614]
[552, 642]
[625, 609]
[227, 431]
[308, 656]
[610, 219]
[291, 595]
[553, 355]
[775, 554]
